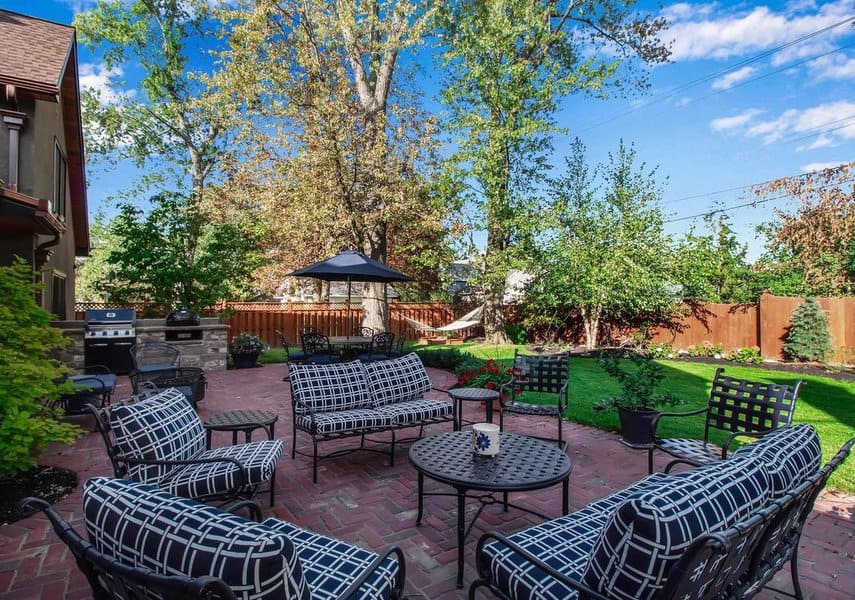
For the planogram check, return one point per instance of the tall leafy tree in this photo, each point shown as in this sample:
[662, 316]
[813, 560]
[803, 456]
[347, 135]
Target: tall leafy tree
[607, 256]
[816, 237]
[507, 64]
[340, 142]
[149, 260]
[713, 267]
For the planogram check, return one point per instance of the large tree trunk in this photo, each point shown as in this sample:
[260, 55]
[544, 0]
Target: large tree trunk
[494, 319]
[375, 312]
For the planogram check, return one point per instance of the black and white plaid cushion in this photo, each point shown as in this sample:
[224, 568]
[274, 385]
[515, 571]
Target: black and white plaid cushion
[564, 543]
[330, 565]
[162, 427]
[791, 454]
[397, 379]
[648, 533]
[140, 525]
[345, 420]
[195, 481]
[414, 412]
[325, 388]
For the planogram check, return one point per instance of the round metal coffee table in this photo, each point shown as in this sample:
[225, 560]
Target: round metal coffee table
[523, 463]
[458, 395]
[241, 420]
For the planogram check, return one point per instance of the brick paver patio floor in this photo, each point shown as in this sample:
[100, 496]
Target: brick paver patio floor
[360, 499]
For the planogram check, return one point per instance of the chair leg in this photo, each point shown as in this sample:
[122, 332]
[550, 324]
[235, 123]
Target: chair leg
[392, 453]
[272, 487]
[314, 460]
[293, 440]
[650, 461]
[794, 572]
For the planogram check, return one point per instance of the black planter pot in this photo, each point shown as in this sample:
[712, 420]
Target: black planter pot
[244, 361]
[636, 427]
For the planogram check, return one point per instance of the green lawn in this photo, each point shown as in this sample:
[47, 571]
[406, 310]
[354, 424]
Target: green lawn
[826, 404]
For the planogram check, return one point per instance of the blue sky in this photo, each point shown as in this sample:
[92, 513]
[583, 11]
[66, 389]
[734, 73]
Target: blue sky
[756, 91]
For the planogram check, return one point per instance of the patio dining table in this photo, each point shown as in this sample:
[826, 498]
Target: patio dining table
[349, 345]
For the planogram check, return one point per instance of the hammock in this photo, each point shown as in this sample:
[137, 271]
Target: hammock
[468, 320]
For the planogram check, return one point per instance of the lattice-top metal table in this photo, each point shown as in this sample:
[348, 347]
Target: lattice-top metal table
[459, 395]
[241, 420]
[523, 463]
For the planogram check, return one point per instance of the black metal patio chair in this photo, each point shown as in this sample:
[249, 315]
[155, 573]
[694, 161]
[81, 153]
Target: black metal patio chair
[94, 386]
[380, 349]
[294, 354]
[537, 373]
[736, 406]
[156, 437]
[318, 350]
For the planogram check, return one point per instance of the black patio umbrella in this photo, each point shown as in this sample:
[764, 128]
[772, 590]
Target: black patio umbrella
[350, 265]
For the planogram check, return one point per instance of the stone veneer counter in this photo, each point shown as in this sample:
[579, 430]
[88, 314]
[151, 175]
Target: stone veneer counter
[208, 352]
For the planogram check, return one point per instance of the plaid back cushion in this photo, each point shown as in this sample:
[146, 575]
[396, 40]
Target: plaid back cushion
[397, 380]
[140, 525]
[791, 455]
[326, 388]
[648, 533]
[161, 427]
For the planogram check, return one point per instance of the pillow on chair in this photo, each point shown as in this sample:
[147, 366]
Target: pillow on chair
[140, 525]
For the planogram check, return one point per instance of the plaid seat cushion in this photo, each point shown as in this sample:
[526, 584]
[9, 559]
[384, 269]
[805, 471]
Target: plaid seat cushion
[161, 427]
[328, 388]
[695, 450]
[207, 479]
[397, 379]
[415, 412]
[791, 454]
[345, 420]
[330, 565]
[648, 533]
[564, 543]
[140, 525]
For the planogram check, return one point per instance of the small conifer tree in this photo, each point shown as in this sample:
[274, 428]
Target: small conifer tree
[807, 337]
[29, 379]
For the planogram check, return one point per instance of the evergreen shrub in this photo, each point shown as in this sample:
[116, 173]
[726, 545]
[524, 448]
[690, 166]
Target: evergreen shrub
[808, 338]
[31, 380]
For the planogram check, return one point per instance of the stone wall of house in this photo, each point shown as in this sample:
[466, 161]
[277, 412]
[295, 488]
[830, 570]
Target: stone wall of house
[208, 352]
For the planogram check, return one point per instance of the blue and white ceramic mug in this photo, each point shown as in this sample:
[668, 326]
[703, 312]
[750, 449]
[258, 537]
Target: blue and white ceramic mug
[485, 439]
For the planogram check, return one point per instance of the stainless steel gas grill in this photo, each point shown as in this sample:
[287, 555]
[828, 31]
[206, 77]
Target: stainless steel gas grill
[110, 333]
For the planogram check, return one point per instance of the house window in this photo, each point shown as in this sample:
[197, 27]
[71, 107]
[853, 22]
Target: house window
[57, 296]
[60, 176]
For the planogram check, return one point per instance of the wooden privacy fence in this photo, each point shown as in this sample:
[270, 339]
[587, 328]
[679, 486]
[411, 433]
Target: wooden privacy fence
[762, 324]
[331, 320]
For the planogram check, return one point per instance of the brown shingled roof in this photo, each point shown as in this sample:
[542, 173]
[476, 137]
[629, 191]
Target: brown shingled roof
[34, 52]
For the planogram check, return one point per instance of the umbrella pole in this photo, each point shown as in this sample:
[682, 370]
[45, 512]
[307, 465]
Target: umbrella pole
[349, 322]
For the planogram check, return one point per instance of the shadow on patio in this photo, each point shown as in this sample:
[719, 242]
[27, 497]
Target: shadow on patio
[362, 500]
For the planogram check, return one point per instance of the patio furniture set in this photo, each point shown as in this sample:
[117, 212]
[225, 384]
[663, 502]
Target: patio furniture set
[721, 529]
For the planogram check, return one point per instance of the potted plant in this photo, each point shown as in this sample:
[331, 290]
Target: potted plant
[245, 348]
[638, 401]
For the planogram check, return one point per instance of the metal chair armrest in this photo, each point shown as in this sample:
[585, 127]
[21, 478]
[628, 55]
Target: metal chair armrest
[680, 461]
[484, 571]
[654, 424]
[252, 507]
[97, 370]
[400, 578]
[752, 434]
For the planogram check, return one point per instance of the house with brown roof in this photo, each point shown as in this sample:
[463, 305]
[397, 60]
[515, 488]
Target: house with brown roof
[43, 214]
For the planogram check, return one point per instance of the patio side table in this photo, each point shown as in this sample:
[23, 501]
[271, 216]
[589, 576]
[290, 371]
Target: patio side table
[459, 395]
[235, 421]
[523, 464]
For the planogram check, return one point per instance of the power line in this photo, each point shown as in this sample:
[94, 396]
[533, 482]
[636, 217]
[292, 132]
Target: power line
[747, 186]
[752, 203]
[730, 69]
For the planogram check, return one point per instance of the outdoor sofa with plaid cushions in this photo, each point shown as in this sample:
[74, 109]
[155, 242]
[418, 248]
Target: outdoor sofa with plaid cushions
[339, 400]
[161, 429]
[147, 528]
[628, 544]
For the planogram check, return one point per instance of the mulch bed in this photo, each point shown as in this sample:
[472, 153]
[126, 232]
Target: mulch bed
[50, 483]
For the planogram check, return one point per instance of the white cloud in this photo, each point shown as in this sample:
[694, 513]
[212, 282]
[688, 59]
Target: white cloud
[821, 166]
[831, 123]
[697, 35]
[681, 102]
[96, 77]
[834, 67]
[79, 6]
[729, 124]
[731, 79]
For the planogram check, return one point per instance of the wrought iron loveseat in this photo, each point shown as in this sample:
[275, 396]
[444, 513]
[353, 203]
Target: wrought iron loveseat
[355, 399]
[720, 530]
[147, 543]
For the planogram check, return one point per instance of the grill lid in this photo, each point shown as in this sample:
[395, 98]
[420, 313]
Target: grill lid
[182, 316]
[110, 316]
